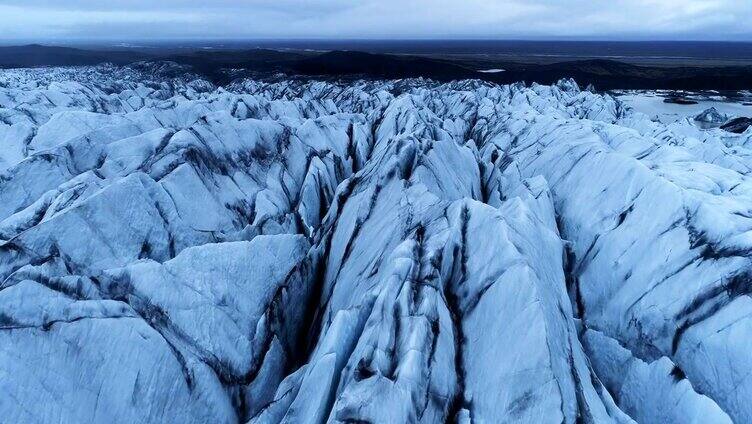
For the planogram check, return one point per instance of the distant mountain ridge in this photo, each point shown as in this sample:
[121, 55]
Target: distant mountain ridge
[34, 55]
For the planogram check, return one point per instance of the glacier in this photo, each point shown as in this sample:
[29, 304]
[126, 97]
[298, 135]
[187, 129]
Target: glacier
[301, 251]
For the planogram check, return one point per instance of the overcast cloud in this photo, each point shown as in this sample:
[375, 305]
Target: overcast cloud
[150, 19]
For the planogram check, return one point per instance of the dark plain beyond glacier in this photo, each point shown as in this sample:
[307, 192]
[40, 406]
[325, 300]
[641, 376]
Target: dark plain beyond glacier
[606, 65]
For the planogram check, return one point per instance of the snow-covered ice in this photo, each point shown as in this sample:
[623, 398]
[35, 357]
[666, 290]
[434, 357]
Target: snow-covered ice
[365, 251]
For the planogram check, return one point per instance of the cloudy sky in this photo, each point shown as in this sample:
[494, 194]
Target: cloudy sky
[170, 19]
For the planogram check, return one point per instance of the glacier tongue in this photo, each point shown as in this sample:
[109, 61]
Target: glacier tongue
[371, 251]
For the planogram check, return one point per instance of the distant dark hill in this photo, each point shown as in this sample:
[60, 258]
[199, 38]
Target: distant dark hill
[342, 63]
[37, 55]
[212, 63]
[238, 58]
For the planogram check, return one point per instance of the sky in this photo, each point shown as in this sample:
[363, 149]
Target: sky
[124, 20]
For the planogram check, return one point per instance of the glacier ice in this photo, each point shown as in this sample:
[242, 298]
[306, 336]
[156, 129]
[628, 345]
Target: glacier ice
[365, 251]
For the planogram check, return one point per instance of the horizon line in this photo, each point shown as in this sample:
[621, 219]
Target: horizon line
[61, 41]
